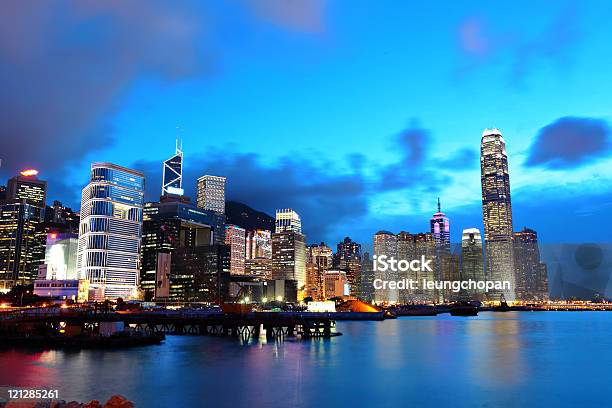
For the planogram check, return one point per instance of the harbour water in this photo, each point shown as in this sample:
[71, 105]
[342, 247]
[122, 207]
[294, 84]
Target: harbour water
[513, 359]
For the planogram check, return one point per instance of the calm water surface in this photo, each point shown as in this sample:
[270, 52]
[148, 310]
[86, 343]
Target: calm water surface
[496, 359]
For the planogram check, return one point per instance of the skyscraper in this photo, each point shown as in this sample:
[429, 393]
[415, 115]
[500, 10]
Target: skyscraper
[385, 243]
[235, 239]
[172, 175]
[211, 193]
[110, 230]
[348, 259]
[26, 186]
[288, 220]
[497, 210]
[22, 234]
[289, 257]
[472, 259]
[174, 230]
[22, 243]
[531, 273]
[319, 260]
[440, 229]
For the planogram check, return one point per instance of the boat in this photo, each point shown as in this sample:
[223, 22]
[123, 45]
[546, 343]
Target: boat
[463, 309]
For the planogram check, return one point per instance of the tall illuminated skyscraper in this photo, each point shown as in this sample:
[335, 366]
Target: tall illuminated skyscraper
[497, 210]
[110, 230]
[172, 175]
[211, 193]
[22, 236]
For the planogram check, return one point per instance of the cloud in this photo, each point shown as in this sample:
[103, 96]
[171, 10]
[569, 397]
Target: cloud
[297, 15]
[484, 43]
[65, 66]
[414, 165]
[570, 142]
[319, 193]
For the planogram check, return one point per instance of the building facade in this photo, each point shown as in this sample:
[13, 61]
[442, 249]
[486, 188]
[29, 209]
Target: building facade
[531, 274]
[348, 259]
[168, 226]
[110, 230]
[385, 244]
[235, 238]
[211, 193]
[472, 260]
[289, 258]
[288, 220]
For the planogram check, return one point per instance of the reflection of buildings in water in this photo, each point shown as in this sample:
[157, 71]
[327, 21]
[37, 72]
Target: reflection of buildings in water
[494, 350]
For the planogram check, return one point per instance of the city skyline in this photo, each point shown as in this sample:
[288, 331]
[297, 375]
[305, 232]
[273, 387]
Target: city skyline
[408, 135]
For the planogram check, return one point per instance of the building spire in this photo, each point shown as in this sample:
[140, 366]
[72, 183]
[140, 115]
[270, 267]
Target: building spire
[179, 140]
[439, 204]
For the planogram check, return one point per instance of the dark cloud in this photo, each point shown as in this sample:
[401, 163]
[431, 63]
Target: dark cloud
[413, 166]
[570, 142]
[65, 65]
[320, 194]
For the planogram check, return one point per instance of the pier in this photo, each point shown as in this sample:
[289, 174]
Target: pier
[249, 325]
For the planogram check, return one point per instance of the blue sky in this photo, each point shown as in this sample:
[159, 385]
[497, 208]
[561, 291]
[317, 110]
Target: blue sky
[358, 114]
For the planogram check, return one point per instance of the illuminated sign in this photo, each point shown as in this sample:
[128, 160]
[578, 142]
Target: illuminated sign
[175, 190]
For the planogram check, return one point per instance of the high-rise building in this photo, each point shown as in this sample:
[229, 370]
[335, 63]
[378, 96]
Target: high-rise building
[288, 220]
[497, 211]
[366, 285]
[440, 229]
[425, 246]
[110, 231]
[172, 175]
[318, 261]
[385, 243]
[170, 226]
[289, 258]
[348, 259]
[22, 233]
[22, 243]
[235, 239]
[406, 250]
[258, 244]
[26, 186]
[531, 274]
[472, 260]
[211, 193]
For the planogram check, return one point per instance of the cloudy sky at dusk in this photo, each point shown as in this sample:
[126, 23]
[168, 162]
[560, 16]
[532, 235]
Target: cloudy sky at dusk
[358, 114]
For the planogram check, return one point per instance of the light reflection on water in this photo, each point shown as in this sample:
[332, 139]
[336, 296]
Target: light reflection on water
[495, 359]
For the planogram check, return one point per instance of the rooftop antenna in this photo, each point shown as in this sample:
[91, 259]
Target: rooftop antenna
[439, 204]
